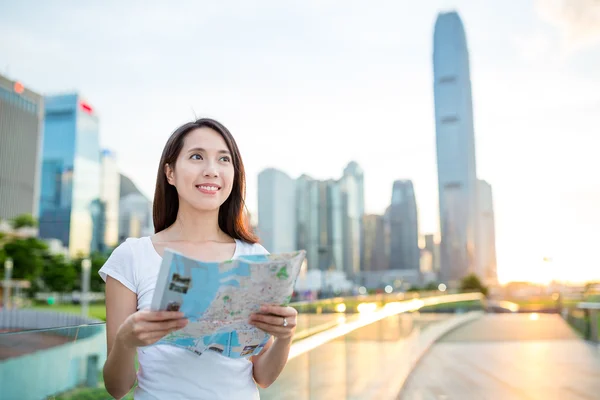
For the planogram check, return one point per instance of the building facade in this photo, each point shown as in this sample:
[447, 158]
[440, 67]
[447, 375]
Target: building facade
[486, 243]
[71, 209]
[373, 253]
[277, 211]
[455, 141]
[109, 195]
[135, 211]
[21, 138]
[404, 231]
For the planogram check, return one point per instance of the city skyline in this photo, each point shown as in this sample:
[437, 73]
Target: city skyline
[379, 74]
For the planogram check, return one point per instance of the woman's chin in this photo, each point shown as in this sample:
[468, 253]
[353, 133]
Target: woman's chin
[207, 206]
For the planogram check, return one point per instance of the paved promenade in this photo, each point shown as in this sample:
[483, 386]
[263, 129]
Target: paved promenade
[508, 356]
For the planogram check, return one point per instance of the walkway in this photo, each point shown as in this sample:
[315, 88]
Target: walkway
[508, 356]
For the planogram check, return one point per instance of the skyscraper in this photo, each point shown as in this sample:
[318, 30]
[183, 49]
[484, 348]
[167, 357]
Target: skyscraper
[109, 195]
[455, 139]
[21, 117]
[404, 231]
[70, 205]
[353, 194]
[373, 252]
[486, 235]
[277, 211]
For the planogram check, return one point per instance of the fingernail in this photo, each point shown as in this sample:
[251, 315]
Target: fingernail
[263, 308]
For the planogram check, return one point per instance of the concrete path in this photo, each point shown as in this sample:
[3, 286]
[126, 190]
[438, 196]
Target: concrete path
[508, 356]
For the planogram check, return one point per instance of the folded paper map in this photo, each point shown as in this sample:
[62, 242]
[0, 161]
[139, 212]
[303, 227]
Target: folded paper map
[218, 299]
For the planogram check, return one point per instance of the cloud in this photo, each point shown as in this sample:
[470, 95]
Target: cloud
[578, 21]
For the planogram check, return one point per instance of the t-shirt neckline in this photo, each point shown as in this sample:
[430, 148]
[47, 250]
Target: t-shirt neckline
[235, 251]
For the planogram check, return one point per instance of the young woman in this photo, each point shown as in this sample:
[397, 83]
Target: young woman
[198, 211]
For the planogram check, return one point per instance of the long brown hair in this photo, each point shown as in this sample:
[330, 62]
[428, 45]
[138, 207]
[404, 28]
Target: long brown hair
[232, 213]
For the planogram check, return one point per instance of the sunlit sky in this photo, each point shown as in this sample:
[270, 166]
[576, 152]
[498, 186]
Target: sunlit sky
[308, 86]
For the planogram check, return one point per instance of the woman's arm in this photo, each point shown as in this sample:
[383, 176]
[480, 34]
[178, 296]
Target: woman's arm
[271, 361]
[119, 369]
[127, 329]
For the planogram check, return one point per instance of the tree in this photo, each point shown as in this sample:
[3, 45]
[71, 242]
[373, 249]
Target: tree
[471, 282]
[58, 274]
[24, 221]
[28, 257]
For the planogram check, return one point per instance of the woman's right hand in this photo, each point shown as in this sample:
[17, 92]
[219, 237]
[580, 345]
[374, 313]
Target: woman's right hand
[146, 327]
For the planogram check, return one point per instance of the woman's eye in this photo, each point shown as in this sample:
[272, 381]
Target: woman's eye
[225, 158]
[196, 157]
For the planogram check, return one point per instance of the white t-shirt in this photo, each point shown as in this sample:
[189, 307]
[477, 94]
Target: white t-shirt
[169, 372]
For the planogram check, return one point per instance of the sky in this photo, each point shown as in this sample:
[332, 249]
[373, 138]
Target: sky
[308, 86]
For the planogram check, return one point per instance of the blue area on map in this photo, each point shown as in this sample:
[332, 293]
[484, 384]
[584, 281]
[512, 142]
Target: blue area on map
[186, 342]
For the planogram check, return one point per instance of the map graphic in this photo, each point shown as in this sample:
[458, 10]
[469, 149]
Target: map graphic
[218, 299]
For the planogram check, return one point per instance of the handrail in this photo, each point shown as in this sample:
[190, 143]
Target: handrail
[592, 310]
[390, 309]
[588, 306]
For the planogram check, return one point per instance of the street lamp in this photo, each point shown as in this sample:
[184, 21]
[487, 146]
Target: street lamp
[86, 266]
[8, 267]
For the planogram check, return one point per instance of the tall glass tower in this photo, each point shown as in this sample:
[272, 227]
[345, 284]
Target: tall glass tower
[455, 139]
[70, 205]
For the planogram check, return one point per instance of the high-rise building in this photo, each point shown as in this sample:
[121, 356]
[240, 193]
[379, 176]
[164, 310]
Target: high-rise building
[109, 195]
[21, 118]
[70, 205]
[404, 231]
[352, 213]
[486, 233]
[434, 249]
[455, 139]
[373, 252]
[277, 211]
[135, 211]
[353, 188]
[354, 170]
[320, 223]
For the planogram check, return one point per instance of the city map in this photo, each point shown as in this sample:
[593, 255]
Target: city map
[218, 299]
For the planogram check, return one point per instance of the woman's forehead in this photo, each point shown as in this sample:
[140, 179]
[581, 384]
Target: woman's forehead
[205, 138]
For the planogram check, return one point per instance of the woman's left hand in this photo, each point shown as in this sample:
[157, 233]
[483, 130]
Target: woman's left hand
[276, 320]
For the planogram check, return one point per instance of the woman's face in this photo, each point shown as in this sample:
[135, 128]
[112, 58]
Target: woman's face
[203, 173]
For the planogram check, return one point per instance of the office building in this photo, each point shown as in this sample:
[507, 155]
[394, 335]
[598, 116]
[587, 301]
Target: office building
[21, 119]
[373, 250]
[70, 204]
[455, 140]
[486, 243]
[404, 231]
[277, 211]
[110, 196]
[135, 211]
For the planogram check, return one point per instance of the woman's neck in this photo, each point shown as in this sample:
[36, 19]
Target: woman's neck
[196, 226]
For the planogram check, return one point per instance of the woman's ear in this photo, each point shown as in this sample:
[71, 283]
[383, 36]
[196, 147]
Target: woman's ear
[169, 174]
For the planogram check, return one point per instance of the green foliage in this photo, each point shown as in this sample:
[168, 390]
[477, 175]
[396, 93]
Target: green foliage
[28, 257]
[59, 275]
[431, 286]
[472, 283]
[24, 221]
[32, 261]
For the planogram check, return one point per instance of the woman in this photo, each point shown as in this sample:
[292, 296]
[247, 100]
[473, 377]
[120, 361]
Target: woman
[199, 211]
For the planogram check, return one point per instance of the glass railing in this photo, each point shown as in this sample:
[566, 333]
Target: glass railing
[336, 354]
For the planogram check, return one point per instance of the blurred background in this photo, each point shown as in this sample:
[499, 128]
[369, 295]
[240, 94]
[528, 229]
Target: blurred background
[415, 150]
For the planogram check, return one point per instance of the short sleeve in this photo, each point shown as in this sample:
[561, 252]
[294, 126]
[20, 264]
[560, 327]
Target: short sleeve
[258, 248]
[120, 266]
